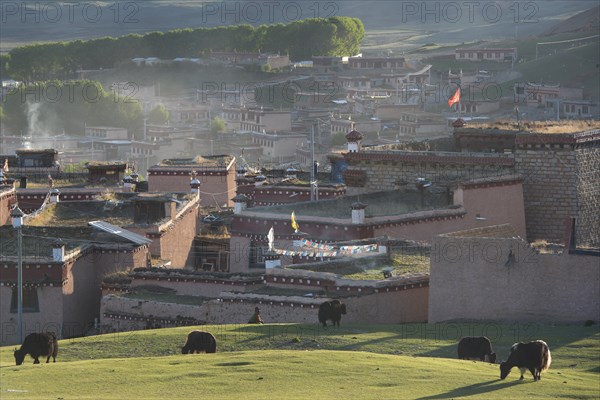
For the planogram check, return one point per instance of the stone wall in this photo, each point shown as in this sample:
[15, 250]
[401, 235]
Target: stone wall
[8, 198]
[217, 187]
[393, 306]
[389, 170]
[205, 288]
[588, 188]
[503, 279]
[549, 187]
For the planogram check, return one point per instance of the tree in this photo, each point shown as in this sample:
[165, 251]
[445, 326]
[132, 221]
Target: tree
[67, 106]
[159, 115]
[217, 126]
[338, 139]
[336, 36]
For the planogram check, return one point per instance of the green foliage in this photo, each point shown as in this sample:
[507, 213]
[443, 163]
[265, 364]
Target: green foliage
[55, 106]
[336, 36]
[159, 115]
[4, 60]
[338, 139]
[217, 125]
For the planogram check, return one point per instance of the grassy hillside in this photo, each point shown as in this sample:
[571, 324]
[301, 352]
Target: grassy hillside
[304, 361]
[574, 68]
[285, 375]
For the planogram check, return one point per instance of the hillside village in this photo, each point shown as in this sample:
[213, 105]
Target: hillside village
[446, 184]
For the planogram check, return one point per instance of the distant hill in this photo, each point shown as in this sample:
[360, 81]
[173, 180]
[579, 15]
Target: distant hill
[586, 21]
[394, 19]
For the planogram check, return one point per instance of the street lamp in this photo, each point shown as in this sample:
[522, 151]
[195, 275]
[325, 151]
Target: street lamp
[17, 223]
[422, 184]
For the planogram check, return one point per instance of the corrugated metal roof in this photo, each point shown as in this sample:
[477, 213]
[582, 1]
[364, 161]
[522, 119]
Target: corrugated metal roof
[118, 231]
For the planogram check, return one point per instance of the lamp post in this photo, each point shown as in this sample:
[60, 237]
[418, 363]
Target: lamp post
[312, 162]
[17, 223]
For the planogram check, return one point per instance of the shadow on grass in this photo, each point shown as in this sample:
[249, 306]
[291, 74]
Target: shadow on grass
[471, 390]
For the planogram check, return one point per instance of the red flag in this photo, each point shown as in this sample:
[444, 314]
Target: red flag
[455, 98]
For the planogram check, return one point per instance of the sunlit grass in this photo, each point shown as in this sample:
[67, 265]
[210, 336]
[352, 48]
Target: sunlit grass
[414, 361]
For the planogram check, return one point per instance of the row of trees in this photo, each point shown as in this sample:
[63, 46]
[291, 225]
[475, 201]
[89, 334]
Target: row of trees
[336, 36]
[54, 107]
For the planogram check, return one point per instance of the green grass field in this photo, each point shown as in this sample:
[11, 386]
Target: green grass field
[288, 361]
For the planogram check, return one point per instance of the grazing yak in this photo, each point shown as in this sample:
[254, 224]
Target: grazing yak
[255, 318]
[36, 345]
[478, 348]
[198, 341]
[332, 310]
[533, 356]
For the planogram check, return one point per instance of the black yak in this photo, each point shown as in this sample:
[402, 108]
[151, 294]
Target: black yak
[36, 345]
[478, 348]
[533, 356]
[198, 341]
[332, 310]
[256, 318]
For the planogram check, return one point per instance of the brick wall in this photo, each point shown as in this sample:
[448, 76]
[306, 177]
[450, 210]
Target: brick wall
[587, 232]
[549, 188]
[502, 279]
[384, 170]
[393, 306]
[217, 188]
[8, 198]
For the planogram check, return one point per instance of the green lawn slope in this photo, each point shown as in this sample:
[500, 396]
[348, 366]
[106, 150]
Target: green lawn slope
[288, 361]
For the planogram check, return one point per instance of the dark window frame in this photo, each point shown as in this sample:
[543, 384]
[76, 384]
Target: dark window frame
[31, 302]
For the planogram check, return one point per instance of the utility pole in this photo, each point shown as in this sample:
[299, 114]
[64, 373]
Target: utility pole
[20, 282]
[312, 163]
[17, 222]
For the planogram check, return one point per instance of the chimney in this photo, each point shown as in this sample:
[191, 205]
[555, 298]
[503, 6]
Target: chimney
[171, 209]
[195, 186]
[240, 203]
[240, 172]
[54, 195]
[260, 180]
[358, 212]
[291, 173]
[354, 138]
[272, 260]
[128, 183]
[58, 251]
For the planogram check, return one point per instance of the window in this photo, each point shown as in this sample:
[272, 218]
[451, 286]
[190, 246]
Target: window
[30, 300]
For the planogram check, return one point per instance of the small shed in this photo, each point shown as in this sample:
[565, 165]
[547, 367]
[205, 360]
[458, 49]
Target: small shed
[106, 171]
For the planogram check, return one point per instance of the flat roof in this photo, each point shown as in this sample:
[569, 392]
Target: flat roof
[378, 204]
[494, 231]
[545, 127]
[38, 241]
[222, 161]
